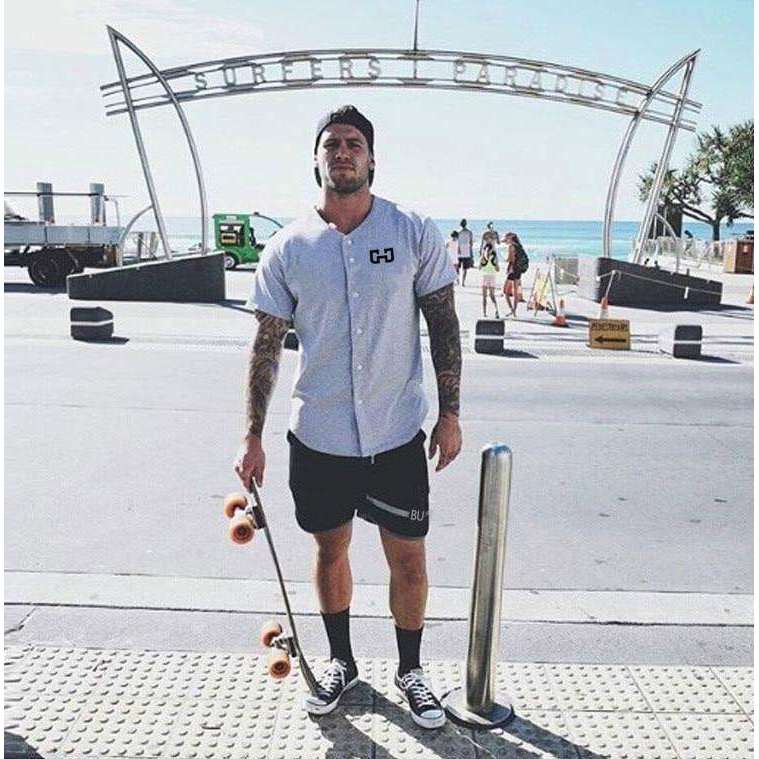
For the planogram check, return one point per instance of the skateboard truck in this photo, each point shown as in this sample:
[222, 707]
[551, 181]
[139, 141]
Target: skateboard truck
[247, 516]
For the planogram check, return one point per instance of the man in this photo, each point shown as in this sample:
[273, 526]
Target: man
[466, 243]
[352, 277]
[490, 235]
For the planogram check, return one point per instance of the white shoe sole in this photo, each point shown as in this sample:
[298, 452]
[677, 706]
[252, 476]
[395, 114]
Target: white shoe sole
[426, 722]
[314, 707]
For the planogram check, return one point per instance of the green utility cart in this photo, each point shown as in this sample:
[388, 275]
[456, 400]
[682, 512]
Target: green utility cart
[235, 236]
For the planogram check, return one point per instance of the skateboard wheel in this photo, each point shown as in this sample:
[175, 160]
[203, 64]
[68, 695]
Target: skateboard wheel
[233, 502]
[270, 631]
[279, 664]
[241, 529]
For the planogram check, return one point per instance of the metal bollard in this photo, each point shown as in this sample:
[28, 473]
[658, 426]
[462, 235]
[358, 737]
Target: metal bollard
[476, 704]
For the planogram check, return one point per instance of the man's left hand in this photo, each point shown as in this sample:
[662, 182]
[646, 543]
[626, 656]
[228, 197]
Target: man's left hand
[446, 435]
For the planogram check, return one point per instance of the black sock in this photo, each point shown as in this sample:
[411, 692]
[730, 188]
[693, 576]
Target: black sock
[338, 632]
[409, 643]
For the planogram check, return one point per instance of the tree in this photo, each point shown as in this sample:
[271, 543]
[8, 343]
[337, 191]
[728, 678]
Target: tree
[717, 182]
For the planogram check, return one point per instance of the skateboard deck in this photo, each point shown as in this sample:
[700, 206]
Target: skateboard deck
[246, 517]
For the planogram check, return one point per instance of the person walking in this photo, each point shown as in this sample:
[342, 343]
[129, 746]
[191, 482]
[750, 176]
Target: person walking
[517, 263]
[452, 246]
[488, 269]
[352, 277]
[466, 256]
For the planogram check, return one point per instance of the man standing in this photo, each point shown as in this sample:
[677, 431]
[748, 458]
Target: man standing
[466, 244]
[490, 235]
[352, 277]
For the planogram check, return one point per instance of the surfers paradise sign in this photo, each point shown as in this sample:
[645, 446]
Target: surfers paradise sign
[430, 70]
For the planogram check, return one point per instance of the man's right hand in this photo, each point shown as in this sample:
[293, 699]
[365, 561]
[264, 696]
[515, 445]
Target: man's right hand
[250, 462]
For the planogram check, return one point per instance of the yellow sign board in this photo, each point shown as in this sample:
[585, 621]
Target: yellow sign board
[609, 334]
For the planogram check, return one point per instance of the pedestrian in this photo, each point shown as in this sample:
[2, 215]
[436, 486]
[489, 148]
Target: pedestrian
[517, 263]
[351, 277]
[466, 244]
[490, 235]
[488, 268]
[452, 246]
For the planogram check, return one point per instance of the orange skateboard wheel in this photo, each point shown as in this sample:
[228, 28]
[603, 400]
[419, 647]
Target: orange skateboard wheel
[233, 502]
[279, 665]
[241, 529]
[269, 631]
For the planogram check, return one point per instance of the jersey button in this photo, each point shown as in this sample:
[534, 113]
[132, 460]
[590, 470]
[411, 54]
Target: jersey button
[355, 295]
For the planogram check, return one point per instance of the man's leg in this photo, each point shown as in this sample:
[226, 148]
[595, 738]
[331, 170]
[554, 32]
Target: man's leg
[408, 593]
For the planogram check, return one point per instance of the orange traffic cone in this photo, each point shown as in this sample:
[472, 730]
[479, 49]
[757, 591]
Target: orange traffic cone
[560, 320]
[604, 308]
[750, 299]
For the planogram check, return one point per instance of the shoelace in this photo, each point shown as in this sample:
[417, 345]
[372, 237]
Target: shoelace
[333, 675]
[415, 685]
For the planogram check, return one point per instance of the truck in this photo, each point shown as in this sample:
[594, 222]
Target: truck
[50, 251]
[235, 235]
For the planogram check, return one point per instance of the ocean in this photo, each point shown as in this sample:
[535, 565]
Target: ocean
[540, 238]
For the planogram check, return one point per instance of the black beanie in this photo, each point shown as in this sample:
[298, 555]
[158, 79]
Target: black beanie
[347, 114]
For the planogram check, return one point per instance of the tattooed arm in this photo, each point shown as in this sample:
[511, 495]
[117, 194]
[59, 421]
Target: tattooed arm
[443, 326]
[262, 374]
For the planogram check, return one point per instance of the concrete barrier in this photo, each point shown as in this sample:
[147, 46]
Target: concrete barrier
[189, 279]
[489, 335]
[644, 286]
[91, 323]
[682, 341]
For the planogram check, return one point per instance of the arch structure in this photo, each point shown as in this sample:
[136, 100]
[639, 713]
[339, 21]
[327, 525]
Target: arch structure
[429, 70]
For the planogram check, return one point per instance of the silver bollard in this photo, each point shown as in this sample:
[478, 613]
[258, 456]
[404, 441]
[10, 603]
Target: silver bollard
[476, 704]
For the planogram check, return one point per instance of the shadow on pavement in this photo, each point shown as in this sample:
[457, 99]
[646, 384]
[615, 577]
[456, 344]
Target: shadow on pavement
[15, 746]
[28, 287]
[449, 742]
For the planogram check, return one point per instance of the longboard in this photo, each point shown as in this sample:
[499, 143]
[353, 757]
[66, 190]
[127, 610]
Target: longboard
[247, 516]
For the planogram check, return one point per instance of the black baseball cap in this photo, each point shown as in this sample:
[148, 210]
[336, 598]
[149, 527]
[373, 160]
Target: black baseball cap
[346, 114]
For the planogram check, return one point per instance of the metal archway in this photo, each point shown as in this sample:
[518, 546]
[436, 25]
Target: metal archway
[427, 69]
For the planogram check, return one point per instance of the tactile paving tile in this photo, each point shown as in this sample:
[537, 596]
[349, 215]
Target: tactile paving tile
[616, 735]
[740, 682]
[539, 734]
[345, 733]
[526, 685]
[684, 689]
[396, 735]
[699, 736]
[579, 687]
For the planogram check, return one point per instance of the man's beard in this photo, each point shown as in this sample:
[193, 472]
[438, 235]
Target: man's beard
[347, 185]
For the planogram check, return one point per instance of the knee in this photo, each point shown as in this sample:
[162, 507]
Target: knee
[332, 551]
[411, 573]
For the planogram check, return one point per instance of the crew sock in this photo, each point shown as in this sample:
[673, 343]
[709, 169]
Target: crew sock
[338, 633]
[409, 643]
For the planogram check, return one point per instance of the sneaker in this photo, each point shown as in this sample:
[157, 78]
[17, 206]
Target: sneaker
[426, 710]
[337, 678]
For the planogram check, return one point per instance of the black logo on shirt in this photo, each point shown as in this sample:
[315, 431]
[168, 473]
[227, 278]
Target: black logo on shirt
[376, 257]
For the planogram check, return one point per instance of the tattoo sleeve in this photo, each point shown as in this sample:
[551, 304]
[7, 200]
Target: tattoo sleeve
[263, 367]
[445, 343]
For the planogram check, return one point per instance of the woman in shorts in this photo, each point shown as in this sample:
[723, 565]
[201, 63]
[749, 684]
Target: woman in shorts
[488, 268]
[515, 257]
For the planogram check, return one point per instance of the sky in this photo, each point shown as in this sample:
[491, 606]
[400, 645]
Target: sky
[445, 154]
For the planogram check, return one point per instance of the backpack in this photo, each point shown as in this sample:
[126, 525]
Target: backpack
[521, 261]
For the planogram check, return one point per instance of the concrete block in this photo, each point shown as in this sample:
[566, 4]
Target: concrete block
[187, 279]
[488, 336]
[291, 340]
[644, 286]
[681, 341]
[91, 323]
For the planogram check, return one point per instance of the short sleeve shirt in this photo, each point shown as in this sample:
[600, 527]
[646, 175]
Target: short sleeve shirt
[352, 299]
[465, 243]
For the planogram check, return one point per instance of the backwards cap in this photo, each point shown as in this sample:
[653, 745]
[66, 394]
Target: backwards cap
[347, 114]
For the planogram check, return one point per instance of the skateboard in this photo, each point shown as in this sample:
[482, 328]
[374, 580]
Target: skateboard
[246, 518]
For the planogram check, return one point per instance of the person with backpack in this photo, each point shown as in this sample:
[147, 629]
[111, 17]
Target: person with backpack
[517, 264]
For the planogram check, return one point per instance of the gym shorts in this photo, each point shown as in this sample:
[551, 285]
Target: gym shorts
[390, 489]
[465, 262]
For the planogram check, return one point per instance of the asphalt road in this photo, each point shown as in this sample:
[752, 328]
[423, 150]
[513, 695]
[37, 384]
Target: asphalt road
[628, 478]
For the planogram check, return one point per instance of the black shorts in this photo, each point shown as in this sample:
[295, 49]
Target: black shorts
[465, 263]
[390, 489]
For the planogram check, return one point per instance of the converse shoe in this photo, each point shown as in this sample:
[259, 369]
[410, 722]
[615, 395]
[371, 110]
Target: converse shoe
[337, 678]
[426, 710]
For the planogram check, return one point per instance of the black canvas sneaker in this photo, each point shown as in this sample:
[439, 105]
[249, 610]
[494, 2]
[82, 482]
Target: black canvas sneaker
[337, 678]
[425, 707]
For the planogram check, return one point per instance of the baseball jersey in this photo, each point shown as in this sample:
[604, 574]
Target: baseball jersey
[352, 299]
